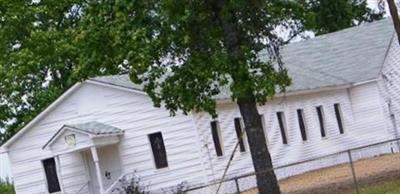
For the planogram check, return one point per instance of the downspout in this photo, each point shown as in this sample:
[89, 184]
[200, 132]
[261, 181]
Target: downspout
[394, 124]
[391, 115]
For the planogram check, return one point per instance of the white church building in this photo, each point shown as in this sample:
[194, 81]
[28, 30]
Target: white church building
[345, 94]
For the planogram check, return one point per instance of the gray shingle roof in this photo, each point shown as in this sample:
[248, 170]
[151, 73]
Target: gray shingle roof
[345, 57]
[349, 56]
[96, 128]
[118, 80]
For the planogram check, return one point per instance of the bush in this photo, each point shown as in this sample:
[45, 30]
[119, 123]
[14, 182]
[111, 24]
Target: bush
[130, 185]
[178, 189]
[6, 187]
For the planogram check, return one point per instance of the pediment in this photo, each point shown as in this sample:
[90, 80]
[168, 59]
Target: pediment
[81, 136]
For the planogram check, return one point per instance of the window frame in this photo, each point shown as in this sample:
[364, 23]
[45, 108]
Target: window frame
[156, 164]
[239, 125]
[339, 117]
[321, 121]
[280, 116]
[219, 152]
[46, 177]
[302, 124]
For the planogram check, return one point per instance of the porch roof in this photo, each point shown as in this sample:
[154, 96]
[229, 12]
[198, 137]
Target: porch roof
[92, 129]
[96, 128]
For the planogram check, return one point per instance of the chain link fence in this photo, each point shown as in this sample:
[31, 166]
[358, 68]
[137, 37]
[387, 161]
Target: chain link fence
[356, 170]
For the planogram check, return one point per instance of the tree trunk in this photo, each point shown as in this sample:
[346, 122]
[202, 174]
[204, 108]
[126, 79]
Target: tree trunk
[395, 17]
[266, 179]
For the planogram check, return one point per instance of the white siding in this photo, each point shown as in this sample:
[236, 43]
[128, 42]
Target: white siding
[128, 111]
[5, 167]
[73, 173]
[391, 80]
[188, 141]
[362, 114]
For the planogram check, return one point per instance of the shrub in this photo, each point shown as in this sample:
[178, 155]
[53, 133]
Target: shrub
[181, 188]
[130, 185]
[6, 187]
[178, 189]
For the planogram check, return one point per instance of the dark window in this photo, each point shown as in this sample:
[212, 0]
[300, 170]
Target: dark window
[302, 125]
[320, 112]
[339, 120]
[158, 148]
[216, 138]
[240, 133]
[282, 126]
[50, 170]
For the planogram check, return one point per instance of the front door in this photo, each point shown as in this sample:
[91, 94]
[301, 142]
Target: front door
[110, 164]
[91, 171]
[110, 167]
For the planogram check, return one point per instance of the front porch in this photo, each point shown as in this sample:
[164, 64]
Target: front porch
[97, 145]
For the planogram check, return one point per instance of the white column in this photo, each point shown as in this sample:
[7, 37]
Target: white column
[98, 171]
[58, 168]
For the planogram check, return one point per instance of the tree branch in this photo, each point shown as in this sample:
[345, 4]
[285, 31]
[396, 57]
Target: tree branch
[395, 17]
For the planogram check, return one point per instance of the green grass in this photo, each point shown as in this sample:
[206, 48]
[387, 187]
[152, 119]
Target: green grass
[392, 187]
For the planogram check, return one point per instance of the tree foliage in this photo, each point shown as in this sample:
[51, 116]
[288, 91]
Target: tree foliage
[46, 46]
[42, 54]
[184, 53]
[325, 16]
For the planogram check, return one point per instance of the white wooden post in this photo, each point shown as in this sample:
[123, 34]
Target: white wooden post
[98, 171]
[58, 168]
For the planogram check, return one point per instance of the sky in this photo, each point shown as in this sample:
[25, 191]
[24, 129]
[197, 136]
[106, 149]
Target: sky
[373, 3]
[4, 163]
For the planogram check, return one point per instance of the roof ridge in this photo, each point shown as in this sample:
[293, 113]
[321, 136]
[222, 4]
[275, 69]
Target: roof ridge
[357, 27]
[106, 76]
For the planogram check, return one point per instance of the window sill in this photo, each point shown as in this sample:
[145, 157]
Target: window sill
[159, 170]
[243, 154]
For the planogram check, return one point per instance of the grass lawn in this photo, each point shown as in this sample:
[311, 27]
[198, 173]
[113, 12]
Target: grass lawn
[392, 187]
[377, 175]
